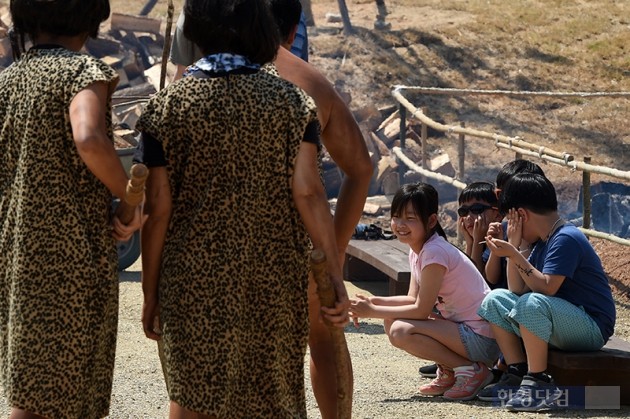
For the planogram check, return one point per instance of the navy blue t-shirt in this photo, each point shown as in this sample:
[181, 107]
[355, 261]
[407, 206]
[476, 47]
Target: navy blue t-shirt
[569, 253]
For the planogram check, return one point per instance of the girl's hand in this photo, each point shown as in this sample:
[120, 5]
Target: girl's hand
[514, 227]
[151, 319]
[360, 307]
[122, 232]
[496, 230]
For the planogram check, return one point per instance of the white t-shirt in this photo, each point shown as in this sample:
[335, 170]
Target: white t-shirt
[463, 288]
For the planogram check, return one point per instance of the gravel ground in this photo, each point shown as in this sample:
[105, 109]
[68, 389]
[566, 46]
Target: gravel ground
[386, 379]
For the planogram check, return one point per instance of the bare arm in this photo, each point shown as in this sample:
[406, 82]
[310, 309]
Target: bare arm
[342, 138]
[158, 206]
[344, 141]
[310, 199]
[493, 269]
[87, 117]
[522, 275]
[421, 308]
[88, 111]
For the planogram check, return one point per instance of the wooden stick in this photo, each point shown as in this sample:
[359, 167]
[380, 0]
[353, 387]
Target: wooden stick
[327, 298]
[134, 193]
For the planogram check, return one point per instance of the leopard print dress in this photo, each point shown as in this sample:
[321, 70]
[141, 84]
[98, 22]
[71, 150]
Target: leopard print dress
[233, 301]
[58, 262]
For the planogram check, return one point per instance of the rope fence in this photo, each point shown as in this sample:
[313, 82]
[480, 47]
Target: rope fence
[515, 144]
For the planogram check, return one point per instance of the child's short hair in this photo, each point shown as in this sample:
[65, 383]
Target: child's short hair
[287, 15]
[483, 191]
[530, 191]
[57, 17]
[516, 166]
[243, 27]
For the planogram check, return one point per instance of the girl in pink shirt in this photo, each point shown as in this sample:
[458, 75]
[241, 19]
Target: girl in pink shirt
[437, 320]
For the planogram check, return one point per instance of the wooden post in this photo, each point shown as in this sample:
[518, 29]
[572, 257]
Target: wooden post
[586, 195]
[424, 137]
[402, 135]
[461, 172]
[461, 154]
[345, 17]
[308, 12]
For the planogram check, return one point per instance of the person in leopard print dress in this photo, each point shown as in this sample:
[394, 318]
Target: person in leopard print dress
[233, 195]
[58, 261]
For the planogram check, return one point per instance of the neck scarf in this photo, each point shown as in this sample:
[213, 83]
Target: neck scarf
[219, 64]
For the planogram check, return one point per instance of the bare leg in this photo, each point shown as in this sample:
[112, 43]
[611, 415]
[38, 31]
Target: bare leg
[178, 412]
[433, 339]
[536, 349]
[24, 414]
[510, 345]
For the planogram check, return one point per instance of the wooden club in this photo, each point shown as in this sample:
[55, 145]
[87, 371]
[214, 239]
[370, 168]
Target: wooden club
[134, 193]
[327, 298]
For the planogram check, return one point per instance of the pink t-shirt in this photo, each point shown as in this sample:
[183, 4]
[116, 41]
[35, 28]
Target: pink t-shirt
[463, 288]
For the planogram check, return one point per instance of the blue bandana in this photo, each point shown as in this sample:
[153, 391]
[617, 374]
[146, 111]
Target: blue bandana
[223, 63]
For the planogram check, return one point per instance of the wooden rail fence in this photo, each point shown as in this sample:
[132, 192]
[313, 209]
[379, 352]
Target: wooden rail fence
[516, 144]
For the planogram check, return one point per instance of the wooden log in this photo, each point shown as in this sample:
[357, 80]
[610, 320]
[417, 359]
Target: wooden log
[103, 46]
[132, 23]
[343, 364]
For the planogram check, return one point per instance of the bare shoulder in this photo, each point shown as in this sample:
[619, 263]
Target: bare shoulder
[307, 77]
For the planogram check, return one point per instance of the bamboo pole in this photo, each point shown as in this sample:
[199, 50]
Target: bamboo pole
[343, 364]
[402, 135]
[166, 51]
[424, 135]
[606, 236]
[586, 196]
[419, 115]
[428, 173]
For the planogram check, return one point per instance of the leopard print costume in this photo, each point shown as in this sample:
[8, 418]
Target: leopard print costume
[58, 262]
[233, 286]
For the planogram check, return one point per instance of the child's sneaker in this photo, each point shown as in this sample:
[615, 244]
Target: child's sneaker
[428, 371]
[534, 394]
[502, 390]
[445, 378]
[469, 381]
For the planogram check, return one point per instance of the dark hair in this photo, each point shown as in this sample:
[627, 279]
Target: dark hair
[530, 191]
[243, 27]
[423, 198]
[516, 166]
[57, 17]
[287, 14]
[483, 191]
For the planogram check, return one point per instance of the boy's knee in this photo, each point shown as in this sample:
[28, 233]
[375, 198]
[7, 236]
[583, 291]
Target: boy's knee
[497, 301]
[531, 304]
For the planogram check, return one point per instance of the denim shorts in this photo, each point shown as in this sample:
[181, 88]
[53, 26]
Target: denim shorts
[479, 348]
